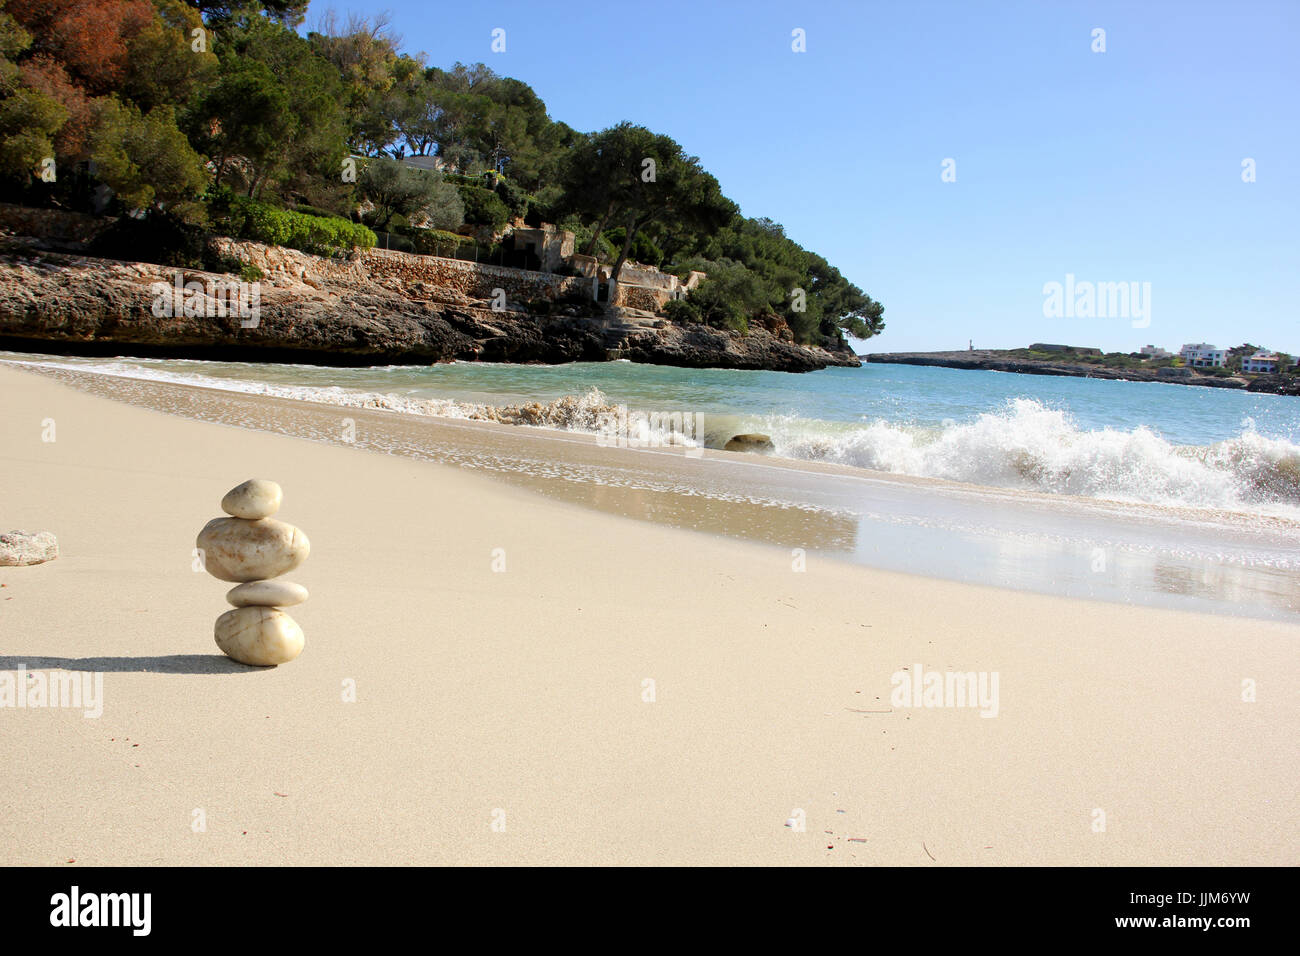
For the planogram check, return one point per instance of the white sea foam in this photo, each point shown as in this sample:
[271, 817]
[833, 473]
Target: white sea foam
[1026, 444]
[1030, 445]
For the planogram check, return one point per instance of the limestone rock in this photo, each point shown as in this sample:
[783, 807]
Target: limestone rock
[255, 498]
[752, 442]
[261, 636]
[267, 594]
[64, 302]
[239, 549]
[21, 548]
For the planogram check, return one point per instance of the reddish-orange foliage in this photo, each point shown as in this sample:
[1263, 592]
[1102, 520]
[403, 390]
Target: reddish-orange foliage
[46, 75]
[89, 37]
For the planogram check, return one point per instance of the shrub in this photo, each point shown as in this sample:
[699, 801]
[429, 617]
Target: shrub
[730, 295]
[682, 310]
[245, 218]
[311, 210]
[515, 199]
[434, 242]
[483, 207]
[391, 240]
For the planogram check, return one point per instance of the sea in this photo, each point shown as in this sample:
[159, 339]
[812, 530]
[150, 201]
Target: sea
[1140, 492]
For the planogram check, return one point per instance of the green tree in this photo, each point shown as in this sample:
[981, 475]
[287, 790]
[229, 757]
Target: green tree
[146, 159]
[730, 296]
[288, 12]
[275, 108]
[376, 81]
[162, 66]
[29, 119]
[631, 177]
[398, 190]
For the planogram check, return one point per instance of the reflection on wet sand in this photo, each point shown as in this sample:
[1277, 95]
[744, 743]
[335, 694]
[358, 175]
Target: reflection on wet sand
[771, 524]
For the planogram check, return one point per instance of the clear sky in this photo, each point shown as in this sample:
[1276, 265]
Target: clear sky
[1115, 166]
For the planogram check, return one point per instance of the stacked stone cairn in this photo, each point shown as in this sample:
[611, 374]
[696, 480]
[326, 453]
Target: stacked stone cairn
[251, 547]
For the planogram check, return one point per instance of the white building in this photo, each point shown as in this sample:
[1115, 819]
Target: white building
[1203, 355]
[1261, 361]
[430, 163]
[1150, 351]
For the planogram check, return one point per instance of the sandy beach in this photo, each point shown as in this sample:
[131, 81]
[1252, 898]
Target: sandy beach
[621, 693]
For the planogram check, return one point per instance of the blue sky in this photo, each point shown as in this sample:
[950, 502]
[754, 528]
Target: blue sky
[1122, 166]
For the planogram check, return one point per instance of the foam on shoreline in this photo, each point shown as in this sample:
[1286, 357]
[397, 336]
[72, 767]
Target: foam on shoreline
[1025, 445]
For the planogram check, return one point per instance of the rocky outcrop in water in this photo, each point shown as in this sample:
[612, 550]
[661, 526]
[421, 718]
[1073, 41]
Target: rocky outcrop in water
[339, 315]
[1276, 385]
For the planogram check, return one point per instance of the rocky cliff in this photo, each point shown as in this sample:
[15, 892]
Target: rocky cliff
[320, 312]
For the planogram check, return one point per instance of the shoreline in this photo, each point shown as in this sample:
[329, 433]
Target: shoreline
[1234, 563]
[524, 691]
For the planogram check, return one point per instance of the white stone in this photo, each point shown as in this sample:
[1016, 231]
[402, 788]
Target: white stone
[255, 498]
[21, 548]
[238, 549]
[267, 594]
[261, 636]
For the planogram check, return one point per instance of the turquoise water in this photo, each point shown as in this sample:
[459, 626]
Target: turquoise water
[1142, 442]
[910, 395]
[907, 395]
[1123, 491]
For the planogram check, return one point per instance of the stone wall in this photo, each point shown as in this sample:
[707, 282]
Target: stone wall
[51, 223]
[281, 262]
[640, 287]
[470, 278]
[455, 276]
[641, 297]
[646, 276]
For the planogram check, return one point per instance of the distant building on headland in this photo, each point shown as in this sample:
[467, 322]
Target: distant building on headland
[430, 163]
[1261, 361]
[1150, 351]
[1202, 355]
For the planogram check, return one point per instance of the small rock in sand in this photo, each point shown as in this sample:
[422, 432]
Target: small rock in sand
[21, 548]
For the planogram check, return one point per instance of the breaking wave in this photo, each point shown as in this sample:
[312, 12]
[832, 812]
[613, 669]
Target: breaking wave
[1036, 447]
[1026, 444]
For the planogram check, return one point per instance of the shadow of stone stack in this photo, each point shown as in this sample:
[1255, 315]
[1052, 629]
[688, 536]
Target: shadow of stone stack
[251, 547]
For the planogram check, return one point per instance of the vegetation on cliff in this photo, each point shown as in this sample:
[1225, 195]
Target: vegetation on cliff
[220, 115]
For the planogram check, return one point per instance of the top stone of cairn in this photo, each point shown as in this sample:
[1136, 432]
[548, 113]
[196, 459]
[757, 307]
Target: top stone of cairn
[255, 498]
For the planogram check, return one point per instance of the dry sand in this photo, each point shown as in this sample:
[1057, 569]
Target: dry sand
[485, 696]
